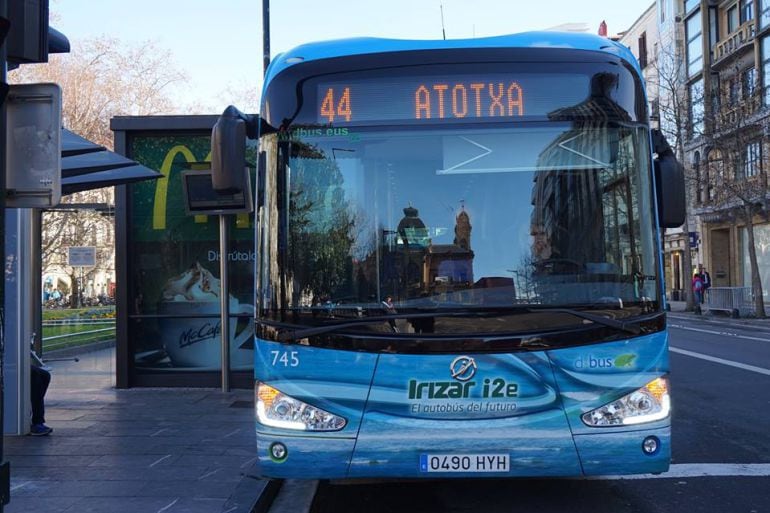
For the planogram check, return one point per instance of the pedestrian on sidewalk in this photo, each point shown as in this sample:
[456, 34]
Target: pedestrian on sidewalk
[40, 379]
[706, 278]
[697, 289]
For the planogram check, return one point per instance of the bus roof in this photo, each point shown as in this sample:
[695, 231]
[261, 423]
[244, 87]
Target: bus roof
[370, 45]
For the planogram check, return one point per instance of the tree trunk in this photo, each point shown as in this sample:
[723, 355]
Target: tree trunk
[74, 291]
[687, 267]
[756, 280]
[687, 258]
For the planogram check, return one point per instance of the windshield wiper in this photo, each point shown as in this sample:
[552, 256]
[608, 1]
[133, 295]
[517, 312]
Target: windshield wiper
[632, 328]
[292, 335]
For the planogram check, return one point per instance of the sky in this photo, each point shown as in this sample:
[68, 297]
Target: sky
[218, 43]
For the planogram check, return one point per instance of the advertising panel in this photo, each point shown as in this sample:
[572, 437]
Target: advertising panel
[174, 267]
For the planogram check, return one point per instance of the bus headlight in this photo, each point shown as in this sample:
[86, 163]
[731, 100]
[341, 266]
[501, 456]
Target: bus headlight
[647, 404]
[276, 409]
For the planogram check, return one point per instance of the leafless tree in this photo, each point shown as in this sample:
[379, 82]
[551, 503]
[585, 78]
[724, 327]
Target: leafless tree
[735, 184]
[100, 78]
[242, 94]
[671, 104]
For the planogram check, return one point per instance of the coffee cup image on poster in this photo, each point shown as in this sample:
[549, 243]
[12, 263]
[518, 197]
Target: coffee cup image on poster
[191, 335]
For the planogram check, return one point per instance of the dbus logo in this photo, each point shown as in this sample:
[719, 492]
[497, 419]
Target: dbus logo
[463, 368]
[601, 362]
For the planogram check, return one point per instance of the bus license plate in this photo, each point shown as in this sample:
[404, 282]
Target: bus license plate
[465, 463]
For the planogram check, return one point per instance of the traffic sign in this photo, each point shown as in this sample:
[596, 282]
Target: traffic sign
[81, 256]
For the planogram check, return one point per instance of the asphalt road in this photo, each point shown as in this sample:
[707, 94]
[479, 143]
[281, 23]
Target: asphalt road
[720, 373]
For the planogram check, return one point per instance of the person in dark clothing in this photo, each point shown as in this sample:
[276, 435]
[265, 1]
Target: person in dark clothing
[706, 278]
[390, 309]
[40, 379]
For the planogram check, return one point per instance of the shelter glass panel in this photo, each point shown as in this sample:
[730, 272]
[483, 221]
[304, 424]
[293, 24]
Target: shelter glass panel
[175, 274]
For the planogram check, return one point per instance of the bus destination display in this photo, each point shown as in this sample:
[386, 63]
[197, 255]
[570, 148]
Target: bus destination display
[433, 99]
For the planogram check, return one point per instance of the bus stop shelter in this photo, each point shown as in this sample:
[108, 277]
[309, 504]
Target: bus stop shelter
[84, 166]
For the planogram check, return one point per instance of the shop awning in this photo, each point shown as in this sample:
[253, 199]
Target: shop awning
[72, 144]
[87, 166]
[107, 178]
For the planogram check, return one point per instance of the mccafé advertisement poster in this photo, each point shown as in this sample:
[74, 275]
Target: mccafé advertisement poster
[174, 261]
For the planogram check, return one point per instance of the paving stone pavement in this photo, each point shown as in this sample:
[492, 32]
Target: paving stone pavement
[138, 450]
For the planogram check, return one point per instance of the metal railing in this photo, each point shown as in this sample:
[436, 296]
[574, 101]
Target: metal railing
[85, 331]
[738, 115]
[738, 301]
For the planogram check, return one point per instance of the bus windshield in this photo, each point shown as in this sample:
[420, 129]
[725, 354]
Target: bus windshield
[553, 214]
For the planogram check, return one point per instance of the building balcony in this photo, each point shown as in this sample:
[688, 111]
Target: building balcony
[725, 206]
[732, 44]
[745, 112]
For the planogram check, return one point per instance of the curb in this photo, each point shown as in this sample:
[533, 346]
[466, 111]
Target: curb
[253, 494]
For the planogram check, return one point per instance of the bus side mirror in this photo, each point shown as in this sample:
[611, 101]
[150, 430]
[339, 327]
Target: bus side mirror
[669, 185]
[228, 149]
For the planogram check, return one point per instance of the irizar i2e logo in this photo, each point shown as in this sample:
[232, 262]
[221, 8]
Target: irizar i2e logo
[462, 368]
[490, 389]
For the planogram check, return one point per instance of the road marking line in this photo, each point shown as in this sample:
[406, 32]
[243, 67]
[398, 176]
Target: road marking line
[164, 508]
[207, 474]
[713, 332]
[250, 462]
[685, 470]
[699, 330]
[14, 488]
[714, 359]
[232, 433]
[158, 461]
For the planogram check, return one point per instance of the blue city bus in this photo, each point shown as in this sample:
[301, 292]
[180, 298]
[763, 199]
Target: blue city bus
[459, 266]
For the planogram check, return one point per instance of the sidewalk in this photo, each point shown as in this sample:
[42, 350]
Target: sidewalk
[678, 310]
[136, 450]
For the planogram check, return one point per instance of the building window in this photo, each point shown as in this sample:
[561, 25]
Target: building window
[733, 87]
[696, 108]
[698, 178]
[643, 50]
[655, 109]
[694, 45]
[765, 48]
[663, 7]
[747, 11]
[752, 159]
[748, 81]
[716, 173]
[732, 19]
[691, 4]
[713, 19]
[761, 234]
[716, 97]
[764, 13]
